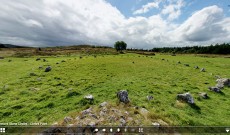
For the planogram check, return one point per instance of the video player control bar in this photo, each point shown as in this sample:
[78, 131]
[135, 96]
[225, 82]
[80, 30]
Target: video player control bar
[75, 129]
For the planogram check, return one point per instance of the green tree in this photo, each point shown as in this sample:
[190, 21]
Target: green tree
[120, 45]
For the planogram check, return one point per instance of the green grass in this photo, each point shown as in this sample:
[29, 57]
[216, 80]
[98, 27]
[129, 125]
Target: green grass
[50, 96]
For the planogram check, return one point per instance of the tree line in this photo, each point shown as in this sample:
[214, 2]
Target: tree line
[212, 49]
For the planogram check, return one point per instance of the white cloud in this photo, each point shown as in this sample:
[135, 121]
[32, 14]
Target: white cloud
[173, 10]
[206, 25]
[58, 22]
[146, 8]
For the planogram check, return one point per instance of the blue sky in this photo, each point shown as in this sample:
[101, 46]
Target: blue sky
[127, 7]
[140, 23]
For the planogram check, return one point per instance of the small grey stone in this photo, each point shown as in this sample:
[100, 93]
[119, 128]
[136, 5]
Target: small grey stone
[155, 124]
[202, 70]
[196, 67]
[149, 98]
[87, 111]
[89, 97]
[215, 89]
[68, 119]
[91, 124]
[48, 69]
[144, 111]
[103, 104]
[122, 121]
[203, 95]
[93, 116]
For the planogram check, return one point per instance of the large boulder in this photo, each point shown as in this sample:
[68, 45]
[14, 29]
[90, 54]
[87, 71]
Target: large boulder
[187, 97]
[223, 82]
[122, 95]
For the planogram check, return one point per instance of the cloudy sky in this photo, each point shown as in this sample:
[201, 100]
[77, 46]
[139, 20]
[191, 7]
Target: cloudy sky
[140, 23]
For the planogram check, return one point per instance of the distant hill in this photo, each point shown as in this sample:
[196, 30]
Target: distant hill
[11, 46]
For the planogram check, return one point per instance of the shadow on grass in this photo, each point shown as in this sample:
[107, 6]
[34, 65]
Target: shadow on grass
[221, 93]
[195, 107]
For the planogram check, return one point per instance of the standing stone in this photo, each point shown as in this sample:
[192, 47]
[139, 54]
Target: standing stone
[122, 95]
[187, 97]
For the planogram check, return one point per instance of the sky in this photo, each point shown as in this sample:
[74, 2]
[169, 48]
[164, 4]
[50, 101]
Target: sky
[143, 24]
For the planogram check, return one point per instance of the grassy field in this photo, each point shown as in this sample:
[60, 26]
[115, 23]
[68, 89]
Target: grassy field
[28, 94]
